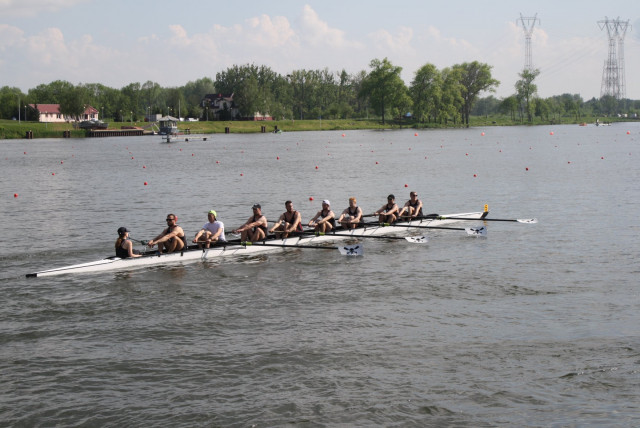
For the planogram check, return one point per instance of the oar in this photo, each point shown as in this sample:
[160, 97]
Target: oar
[346, 250]
[477, 231]
[414, 239]
[519, 220]
[139, 241]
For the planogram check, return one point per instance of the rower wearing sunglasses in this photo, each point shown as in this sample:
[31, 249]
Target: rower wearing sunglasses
[171, 239]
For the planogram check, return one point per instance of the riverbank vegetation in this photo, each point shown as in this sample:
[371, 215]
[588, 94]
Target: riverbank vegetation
[302, 100]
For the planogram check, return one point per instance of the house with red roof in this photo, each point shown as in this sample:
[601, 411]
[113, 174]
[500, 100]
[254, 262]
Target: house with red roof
[51, 113]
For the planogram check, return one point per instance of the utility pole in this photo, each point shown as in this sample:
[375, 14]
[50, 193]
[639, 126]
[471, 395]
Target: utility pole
[613, 76]
[528, 24]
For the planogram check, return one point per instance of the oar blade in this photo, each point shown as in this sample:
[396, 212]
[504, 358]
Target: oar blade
[476, 231]
[527, 220]
[351, 250]
[417, 239]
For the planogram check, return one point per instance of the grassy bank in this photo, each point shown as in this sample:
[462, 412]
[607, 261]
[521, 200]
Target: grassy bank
[11, 129]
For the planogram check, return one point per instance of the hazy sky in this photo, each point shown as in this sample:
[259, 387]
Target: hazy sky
[119, 42]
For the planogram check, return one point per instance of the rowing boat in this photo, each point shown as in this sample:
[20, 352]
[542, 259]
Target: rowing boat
[237, 248]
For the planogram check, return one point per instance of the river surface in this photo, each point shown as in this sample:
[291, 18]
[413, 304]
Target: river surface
[534, 325]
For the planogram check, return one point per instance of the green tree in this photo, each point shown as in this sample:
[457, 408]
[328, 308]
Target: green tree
[384, 88]
[450, 107]
[9, 99]
[526, 91]
[74, 102]
[51, 93]
[510, 105]
[475, 78]
[426, 92]
[247, 96]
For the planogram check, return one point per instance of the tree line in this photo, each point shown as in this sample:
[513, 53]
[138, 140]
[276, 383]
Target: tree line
[439, 96]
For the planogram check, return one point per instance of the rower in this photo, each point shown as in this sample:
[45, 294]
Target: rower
[290, 222]
[124, 246]
[351, 216]
[171, 239]
[412, 208]
[254, 229]
[388, 212]
[324, 220]
[212, 231]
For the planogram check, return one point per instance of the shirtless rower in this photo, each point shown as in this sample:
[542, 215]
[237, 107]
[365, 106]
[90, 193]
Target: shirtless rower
[412, 208]
[351, 216]
[171, 239]
[254, 229]
[289, 223]
[388, 212]
[324, 220]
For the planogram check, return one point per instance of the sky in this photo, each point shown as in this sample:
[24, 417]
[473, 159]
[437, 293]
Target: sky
[120, 42]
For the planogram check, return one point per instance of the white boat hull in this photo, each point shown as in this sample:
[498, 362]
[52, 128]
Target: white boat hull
[235, 249]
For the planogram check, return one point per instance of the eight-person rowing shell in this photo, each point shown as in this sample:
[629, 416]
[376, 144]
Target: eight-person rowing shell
[173, 249]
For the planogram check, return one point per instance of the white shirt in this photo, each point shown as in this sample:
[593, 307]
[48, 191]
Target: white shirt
[214, 227]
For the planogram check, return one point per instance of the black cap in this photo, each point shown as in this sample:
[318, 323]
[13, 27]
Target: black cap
[122, 230]
[256, 206]
[391, 196]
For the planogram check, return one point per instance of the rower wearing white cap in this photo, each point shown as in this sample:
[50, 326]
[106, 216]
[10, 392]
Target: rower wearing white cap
[212, 231]
[325, 219]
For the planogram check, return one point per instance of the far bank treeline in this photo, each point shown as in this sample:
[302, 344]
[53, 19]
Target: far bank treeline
[434, 96]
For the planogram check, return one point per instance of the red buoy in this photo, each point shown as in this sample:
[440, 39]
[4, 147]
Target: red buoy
[15, 195]
[145, 183]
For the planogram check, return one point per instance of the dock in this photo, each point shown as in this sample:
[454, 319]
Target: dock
[130, 132]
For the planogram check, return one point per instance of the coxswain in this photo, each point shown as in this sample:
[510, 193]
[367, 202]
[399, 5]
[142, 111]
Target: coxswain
[212, 231]
[351, 216]
[171, 239]
[254, 229]
[388, 212]
[324, 220]
[290, 222]
[124, 246]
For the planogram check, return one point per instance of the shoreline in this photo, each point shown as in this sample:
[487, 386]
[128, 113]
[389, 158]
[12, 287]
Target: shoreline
[11, 129]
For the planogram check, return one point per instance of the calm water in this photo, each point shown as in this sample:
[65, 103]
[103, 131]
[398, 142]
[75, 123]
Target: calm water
[535, 325]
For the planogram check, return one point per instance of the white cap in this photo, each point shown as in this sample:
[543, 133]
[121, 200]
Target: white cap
[326, 201]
